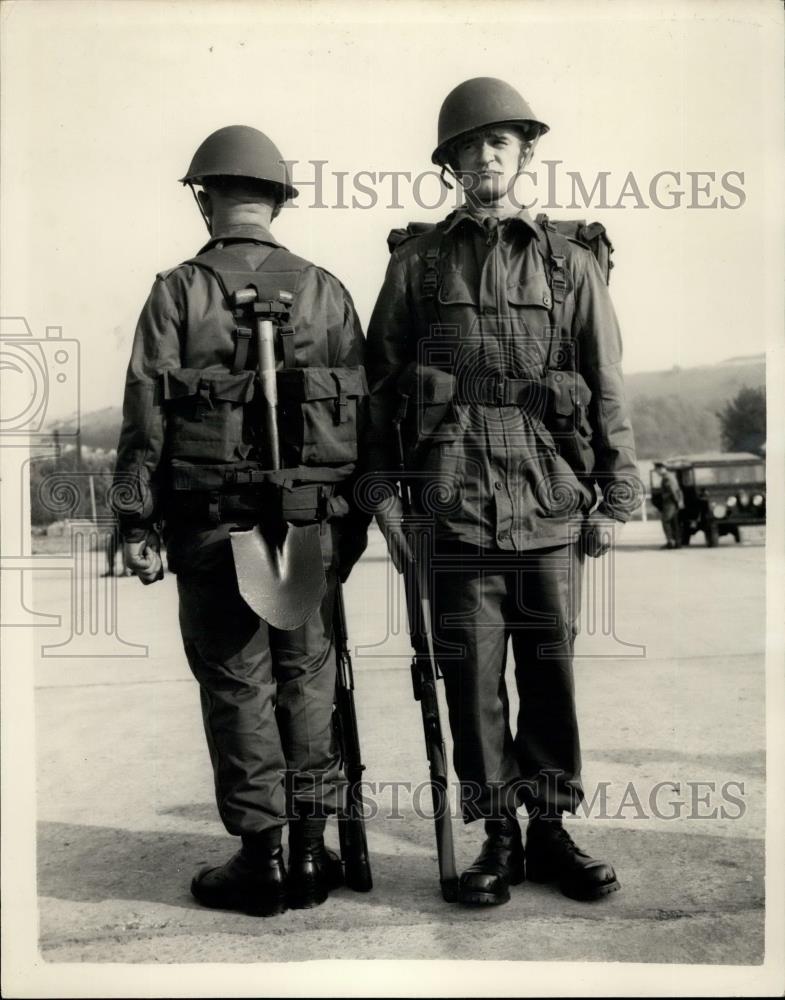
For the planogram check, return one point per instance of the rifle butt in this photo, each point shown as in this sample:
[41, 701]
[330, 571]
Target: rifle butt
[354, 853]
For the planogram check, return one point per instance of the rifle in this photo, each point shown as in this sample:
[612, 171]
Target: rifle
[425, 673]
[351, 824]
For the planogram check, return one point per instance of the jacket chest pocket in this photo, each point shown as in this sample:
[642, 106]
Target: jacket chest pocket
[317, 414]
[206, 414]
[457, 303]
[529, 305]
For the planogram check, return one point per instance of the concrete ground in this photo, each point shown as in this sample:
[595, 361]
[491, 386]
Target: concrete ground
[670, 686]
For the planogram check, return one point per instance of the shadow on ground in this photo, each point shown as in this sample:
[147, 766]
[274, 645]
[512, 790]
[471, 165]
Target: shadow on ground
[688, 881]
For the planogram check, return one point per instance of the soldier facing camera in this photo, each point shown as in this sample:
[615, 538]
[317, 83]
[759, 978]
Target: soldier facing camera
[498, 334]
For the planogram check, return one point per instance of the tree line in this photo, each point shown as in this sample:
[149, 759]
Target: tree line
[674, 425]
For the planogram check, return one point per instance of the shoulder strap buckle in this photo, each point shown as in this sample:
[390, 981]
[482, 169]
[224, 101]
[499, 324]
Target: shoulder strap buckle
[558, 277]
[430, 278]
[242, 342]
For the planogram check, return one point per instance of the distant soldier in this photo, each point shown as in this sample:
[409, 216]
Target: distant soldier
[189, 457]
[113, 547]
[671, 502]
[500, 334]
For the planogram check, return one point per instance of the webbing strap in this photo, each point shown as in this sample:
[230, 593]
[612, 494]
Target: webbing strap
[233, 268]
[287, 345]
[339, 414]
[242, 342]
[560, 349]
[557, 263]
[430, 285]
[430, 278]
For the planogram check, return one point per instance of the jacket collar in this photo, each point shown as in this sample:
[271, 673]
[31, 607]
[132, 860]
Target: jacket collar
[242, 231]
[463, 215]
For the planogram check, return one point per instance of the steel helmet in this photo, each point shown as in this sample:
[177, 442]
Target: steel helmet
[479, 103]
[240, 151]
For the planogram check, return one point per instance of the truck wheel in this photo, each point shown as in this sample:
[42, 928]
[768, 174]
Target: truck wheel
[712, 533]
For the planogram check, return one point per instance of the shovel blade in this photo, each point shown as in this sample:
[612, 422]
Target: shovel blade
[280, 574]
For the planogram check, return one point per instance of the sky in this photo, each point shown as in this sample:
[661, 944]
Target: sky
[104, 104]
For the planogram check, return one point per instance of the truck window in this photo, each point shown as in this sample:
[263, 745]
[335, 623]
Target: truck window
[730, 475]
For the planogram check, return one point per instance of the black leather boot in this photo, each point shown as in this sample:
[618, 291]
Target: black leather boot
[313, 869]
[552, 856]
[500, 864]
[253, 881]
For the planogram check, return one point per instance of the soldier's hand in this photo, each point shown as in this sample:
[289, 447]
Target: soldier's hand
[390, 521]
[144, 558]
[599, 534]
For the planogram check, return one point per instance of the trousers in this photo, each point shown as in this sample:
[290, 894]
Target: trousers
[484, 602]
[670, 523]
[266, 695]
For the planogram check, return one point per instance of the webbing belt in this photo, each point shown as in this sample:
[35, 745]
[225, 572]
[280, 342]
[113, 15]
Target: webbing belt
[502, 392]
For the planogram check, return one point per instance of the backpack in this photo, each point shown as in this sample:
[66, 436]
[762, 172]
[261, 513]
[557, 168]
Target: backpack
[592, 235]
[213, 415]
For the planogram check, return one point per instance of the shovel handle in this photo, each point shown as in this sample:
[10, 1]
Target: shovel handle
[267, 377]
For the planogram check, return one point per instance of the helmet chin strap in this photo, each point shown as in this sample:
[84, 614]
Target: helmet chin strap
[201, 210]
[445, 182]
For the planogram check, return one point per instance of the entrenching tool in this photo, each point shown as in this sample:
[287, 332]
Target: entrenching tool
[279, 566]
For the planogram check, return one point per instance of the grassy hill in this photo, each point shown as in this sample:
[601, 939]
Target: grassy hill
[672, 411]
[100, 428]
[676, 410]
[708, 385]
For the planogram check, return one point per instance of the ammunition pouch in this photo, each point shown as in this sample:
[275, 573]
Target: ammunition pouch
[311, 503]
[206, 414]
[317, 414]
[427, 409]
[210, 415]
[566, 417]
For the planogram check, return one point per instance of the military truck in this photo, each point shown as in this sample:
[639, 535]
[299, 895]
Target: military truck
[723, 492]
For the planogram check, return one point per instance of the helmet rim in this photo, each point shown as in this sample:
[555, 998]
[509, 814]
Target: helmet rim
[481, 102]
[240, 151]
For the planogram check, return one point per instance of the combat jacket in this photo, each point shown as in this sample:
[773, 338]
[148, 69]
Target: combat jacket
[187, 326]
[462, 326]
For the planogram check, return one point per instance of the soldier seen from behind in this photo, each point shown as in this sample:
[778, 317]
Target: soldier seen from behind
[191, 460]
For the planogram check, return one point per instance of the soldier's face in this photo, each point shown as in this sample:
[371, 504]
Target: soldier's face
[488, 161]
